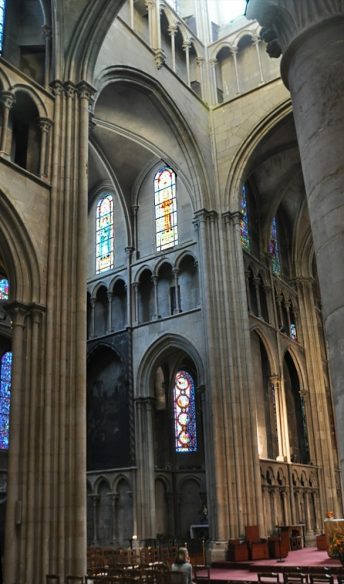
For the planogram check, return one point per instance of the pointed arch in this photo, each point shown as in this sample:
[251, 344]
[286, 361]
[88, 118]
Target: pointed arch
[155, 354]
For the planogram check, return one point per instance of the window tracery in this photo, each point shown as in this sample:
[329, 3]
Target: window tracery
[5, 398]
[104, 234]
[2, 22]
[244, 222]
[184, 413]
[166, 228]
[274, 248]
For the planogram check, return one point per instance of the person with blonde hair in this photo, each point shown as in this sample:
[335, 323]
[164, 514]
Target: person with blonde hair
[182, 564]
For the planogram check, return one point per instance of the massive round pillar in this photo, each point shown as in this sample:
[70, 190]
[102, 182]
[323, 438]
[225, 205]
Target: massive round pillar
[310, 36]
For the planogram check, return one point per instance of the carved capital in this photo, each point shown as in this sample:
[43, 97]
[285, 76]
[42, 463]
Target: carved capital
[85, 90]
[7, 99]
[284, 20]
[45, 124]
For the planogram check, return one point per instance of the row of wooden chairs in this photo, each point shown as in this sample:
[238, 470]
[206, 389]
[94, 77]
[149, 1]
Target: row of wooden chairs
[300, 577]
[109, 557]
[133, 576]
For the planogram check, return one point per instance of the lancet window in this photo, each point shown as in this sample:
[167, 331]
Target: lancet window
[2, 22]
[5, 398]
[166, 228]
[184, 413]
[104, 234]
[274, 248]
[244, 222]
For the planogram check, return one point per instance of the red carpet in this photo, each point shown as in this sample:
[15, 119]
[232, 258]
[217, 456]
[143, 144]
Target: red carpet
[309, 559]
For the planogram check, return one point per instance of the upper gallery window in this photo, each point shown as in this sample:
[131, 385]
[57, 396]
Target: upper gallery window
[4, 288]
[274, 248]
[5, 398]
[104, 234]
[184, 413]
[244, 222]
[2, 22]
[166, 228]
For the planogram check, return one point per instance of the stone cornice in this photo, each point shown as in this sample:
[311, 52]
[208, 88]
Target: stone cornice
[285, 20]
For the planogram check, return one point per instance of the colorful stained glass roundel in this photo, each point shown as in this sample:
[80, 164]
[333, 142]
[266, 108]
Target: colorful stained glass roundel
[184, 413]
[104, 234]
[5, 398]
[166, 228]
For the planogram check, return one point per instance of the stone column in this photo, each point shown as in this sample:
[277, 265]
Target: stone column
[45, 126]
[186, 47]
[256, 289]
[46, 32]
[7, 100]
[145, 473]
[109, 311]
[310, 36]
[176, 272]
[172, 29]
[234, 52]
[155, 281]
[256, 41]
[14, 495]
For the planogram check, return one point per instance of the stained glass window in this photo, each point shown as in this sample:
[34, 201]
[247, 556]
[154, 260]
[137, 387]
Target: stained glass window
[244, 222]
[274, 249]
[166, 229]
[184, 413]
[5, 398]
[104, 234]
[293, 333]
[4, 289]
[2, 21]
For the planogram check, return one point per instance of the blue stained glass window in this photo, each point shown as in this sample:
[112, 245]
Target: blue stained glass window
[293, 332]
[244, 222]
[4, 289]
[274, 249]
[166, 228]
[184, 413]
[104, 234]
[5, 398]
[2, 22]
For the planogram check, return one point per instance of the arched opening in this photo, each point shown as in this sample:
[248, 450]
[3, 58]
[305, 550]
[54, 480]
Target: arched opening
[101, 312]
[24, 124]
[225, 75]
[179, 446]
[146, 297]
[107, 411]
[188, 284]
[165, 290]
[266, 400]
[119, 306]
[124, 515]
[296, 415]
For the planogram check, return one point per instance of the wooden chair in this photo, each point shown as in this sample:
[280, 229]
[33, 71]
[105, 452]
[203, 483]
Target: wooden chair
[296, 577]
[321, 578]
[201, 573]
[258, 548]
[268, 577]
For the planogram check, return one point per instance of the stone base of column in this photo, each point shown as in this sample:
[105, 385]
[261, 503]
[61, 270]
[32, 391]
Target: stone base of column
[216, 551]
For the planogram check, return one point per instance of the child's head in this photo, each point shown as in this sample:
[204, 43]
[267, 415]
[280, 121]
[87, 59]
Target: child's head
[182, 556]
